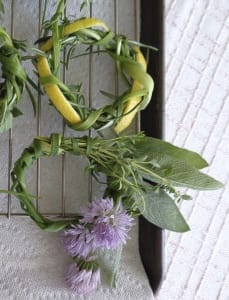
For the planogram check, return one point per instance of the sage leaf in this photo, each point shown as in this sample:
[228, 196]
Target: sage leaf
[150, 145]
[178, 173]
[162, 211]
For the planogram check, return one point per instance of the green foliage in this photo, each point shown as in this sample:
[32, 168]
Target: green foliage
[128, 176]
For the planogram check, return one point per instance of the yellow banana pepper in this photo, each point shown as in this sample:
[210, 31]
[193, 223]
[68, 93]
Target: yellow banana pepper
[127, 118]
[52, 90]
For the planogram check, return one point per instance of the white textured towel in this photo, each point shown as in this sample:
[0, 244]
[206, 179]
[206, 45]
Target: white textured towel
[33, 264]
[197, 112]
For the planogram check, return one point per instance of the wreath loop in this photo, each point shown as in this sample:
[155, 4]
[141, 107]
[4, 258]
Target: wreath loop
[13, 83]
[130, 63]
[106, 157]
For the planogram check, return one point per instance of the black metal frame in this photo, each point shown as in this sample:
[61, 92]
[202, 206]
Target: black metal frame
[152, 33]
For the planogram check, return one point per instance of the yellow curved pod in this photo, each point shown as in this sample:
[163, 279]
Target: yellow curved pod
[131, 107]
[52, 90]
[55, 94]
[74, 27]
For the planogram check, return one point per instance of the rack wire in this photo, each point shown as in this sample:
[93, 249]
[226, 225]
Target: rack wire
[119, 13]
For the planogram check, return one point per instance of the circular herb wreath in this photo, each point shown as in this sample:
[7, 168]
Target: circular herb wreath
[131, 67]
[103, 157]
[14, 81]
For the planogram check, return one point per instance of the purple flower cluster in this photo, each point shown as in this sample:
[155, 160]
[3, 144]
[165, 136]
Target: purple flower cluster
[78, 241]
[110, 224]
[103, 226]
[82, 281]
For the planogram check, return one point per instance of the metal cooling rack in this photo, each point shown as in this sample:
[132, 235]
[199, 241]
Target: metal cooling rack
[11, 147]
[147, 16]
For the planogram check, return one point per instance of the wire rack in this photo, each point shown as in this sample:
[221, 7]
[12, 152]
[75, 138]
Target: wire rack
[60, 184]
[52, 182]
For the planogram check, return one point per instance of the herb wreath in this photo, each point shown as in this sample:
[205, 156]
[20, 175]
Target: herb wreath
[142, 173]
[130, 62]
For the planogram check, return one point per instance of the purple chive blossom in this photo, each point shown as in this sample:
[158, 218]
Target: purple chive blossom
[82, 281]
[95, 209]
[79, 241]
[110, 223]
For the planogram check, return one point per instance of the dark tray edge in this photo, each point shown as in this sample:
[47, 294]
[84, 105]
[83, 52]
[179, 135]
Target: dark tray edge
[151, 240]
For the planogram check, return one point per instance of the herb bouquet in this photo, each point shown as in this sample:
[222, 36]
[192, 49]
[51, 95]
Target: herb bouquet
[141, 173]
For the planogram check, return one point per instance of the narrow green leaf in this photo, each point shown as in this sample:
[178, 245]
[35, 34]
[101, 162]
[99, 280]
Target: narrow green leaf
[143, 45]
[60, 225]
[32, 99]
[135, 71]
[91, 119]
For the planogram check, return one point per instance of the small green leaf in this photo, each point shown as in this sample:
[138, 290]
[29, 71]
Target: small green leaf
[162, 211]
[16, 112]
